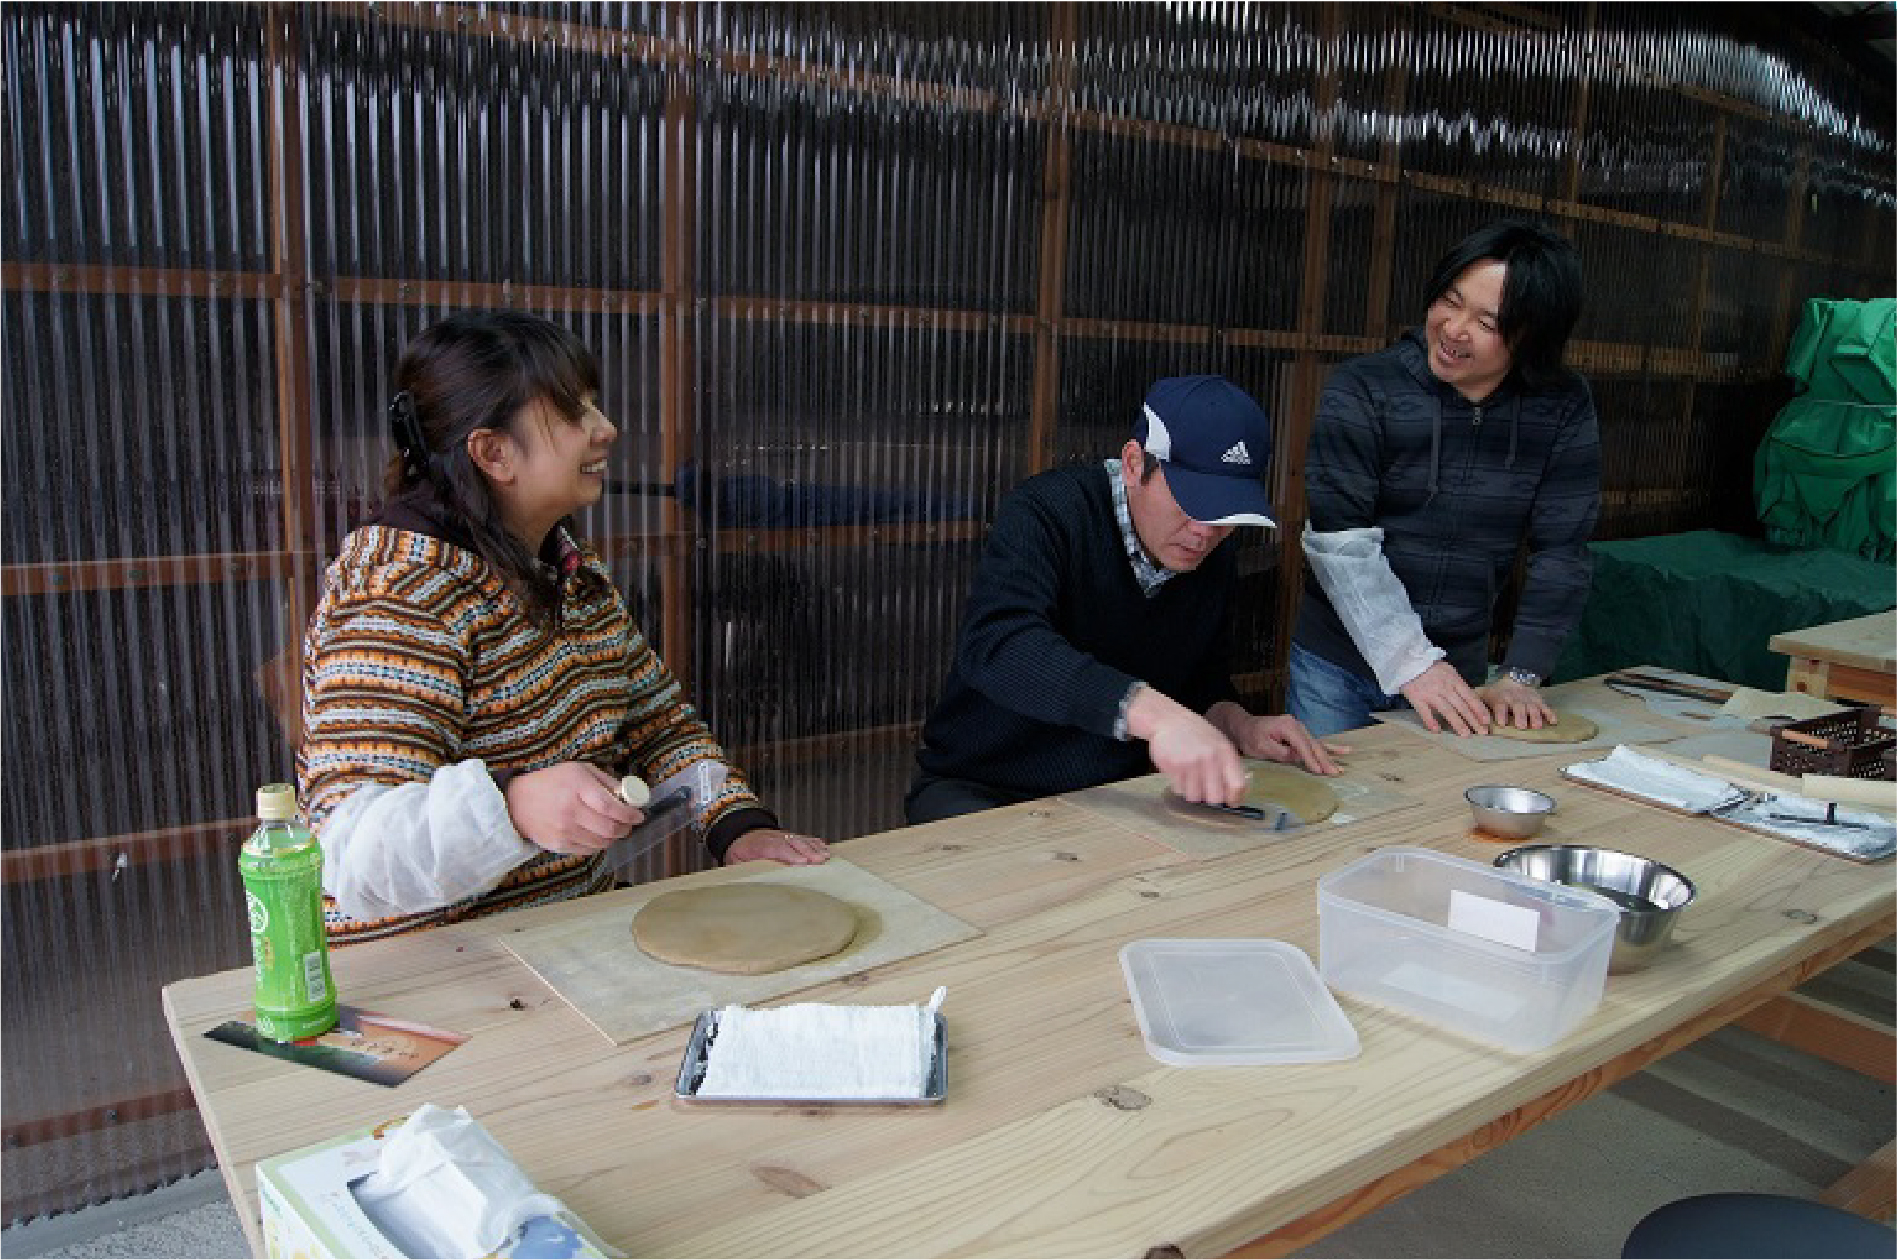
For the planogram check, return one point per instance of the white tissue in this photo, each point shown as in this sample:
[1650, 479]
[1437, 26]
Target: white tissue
[444, 1187]
[1634, 772]
[815, 1051]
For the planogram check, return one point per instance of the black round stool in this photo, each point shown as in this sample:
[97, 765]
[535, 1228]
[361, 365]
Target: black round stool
[1742, 1226]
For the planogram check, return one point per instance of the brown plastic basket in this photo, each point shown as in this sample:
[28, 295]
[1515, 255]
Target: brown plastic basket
[1850, 745]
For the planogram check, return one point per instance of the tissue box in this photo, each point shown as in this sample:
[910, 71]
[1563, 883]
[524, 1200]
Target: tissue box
[308, 1210]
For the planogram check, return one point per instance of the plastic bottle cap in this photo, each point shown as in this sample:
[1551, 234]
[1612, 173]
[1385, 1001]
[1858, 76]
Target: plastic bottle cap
[276, 800]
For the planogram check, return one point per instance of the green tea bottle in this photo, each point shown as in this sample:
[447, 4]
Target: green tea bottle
[282, 867]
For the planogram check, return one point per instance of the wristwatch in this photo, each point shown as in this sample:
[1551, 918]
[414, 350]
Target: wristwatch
[1522, 676]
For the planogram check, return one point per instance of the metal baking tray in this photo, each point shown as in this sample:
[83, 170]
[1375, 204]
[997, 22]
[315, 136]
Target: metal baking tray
[691, 1074]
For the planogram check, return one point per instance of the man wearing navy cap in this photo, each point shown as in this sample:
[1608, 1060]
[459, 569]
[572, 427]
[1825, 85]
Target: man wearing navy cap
[1096, 641]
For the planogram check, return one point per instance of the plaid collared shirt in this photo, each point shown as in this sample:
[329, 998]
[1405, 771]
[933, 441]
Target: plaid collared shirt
[1149, 575]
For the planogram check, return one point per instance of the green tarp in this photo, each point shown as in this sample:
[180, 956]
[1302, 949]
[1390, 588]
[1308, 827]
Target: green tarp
[1826, 473]
[1707, 602]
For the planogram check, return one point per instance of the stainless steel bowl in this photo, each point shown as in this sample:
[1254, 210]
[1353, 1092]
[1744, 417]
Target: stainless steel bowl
[1511, 812]
[1650, 895]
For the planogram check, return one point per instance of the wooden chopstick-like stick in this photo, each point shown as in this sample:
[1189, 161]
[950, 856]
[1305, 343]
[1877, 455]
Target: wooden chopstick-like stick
[1669, 687]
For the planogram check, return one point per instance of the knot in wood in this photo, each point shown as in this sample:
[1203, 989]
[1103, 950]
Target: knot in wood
[786, 1180]
[1123, 1098]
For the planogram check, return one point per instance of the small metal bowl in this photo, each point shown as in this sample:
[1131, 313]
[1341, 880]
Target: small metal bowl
[1649, 894]
[1510, 812]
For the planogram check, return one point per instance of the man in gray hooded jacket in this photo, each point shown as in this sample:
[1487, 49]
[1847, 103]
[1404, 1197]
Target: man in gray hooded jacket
[1430, 465]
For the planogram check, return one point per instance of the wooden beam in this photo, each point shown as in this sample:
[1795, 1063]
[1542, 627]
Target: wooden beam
[114, 853]
[845, 745]
[67, 1124]
[373, 290]
[175, 282]
[746, 540]
[147, 571]
[1829, 1032]
[1870, 1189]
[864, 315]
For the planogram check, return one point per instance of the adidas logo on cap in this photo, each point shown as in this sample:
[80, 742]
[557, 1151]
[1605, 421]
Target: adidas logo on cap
[1237, 454]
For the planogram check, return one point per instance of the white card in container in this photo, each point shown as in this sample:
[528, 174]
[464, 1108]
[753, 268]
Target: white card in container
[1519, 926]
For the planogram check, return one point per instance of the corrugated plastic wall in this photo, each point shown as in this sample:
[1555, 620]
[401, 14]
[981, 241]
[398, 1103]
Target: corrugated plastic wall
[851, 270]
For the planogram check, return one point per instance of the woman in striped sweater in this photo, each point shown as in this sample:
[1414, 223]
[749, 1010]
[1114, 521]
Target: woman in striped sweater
[473, 685]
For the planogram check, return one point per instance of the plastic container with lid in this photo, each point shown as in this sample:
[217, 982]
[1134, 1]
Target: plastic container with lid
[1231, 1003]
[1507, 960]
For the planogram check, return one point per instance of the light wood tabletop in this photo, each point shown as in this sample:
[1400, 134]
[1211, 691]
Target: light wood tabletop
[1060, 1135]
[1845, 660]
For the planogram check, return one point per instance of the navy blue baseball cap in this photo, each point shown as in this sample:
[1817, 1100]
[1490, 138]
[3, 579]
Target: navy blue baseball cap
[1214, 443]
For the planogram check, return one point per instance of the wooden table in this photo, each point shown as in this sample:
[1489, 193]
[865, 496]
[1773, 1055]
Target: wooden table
[1846, 660]
[1061, 1135]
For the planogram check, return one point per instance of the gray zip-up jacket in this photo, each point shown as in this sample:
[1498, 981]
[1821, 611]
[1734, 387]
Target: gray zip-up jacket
[1457, 488]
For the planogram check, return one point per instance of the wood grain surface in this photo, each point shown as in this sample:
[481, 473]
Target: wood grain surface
[1060, 1136]
[1864, 642]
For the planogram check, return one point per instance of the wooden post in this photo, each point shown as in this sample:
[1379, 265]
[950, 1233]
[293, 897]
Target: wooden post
[289, 279]
[677, 321]
[1308, 372]
[1785, 315]
[1056, 177]
[1571, 186]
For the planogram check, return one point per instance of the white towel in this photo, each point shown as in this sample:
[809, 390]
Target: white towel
[811, 1050]
[1634, 772]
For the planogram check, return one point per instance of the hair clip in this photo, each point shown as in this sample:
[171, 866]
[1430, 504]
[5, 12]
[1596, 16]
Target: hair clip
[406, 427]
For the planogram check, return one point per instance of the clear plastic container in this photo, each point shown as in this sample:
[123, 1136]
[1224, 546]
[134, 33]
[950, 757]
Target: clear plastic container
[1232, 1003]
[1506, 960]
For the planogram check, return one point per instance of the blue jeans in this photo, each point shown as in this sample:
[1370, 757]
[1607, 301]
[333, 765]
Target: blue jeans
[1328, 698]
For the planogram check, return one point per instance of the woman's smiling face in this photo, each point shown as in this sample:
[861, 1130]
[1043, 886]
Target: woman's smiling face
[1466, 349]
[560, 468]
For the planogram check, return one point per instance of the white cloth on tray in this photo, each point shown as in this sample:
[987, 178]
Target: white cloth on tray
[813, 1050]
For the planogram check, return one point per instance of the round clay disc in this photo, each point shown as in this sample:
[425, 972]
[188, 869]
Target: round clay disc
[747, 929]
[1303, 793]
[1568, 728]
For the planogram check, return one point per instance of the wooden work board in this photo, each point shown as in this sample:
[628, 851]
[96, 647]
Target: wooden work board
[1620, 719]
[590, 959]
[1367, 787]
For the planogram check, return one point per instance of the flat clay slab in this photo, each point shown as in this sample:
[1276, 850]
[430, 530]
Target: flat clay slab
[1368, 786]
[1567, 728]
[1617, 720]
[744, 929]
[592, 962]
[1307, 795]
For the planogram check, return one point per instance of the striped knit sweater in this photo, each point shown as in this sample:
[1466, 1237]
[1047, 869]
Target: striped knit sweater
[420, 668]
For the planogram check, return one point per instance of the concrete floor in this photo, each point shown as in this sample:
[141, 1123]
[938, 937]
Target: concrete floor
[1731, 1112]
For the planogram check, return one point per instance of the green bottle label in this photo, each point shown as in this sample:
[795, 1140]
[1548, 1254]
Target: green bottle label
[283, 895]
